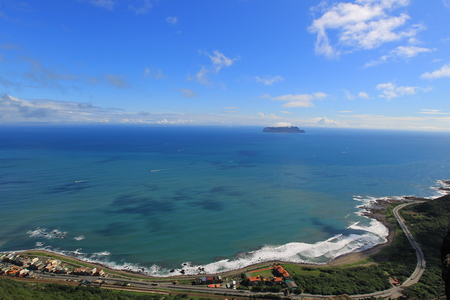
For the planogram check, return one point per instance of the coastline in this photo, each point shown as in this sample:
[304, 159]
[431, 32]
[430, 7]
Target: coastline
[372, 211]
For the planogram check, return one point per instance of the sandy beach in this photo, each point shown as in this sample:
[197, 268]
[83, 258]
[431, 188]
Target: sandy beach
[351, 258]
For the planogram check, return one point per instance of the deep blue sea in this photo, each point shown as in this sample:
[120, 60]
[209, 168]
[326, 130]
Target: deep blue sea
[163, 198]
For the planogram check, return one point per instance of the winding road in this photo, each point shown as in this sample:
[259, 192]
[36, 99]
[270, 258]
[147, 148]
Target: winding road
[420, 267]
[394, 292]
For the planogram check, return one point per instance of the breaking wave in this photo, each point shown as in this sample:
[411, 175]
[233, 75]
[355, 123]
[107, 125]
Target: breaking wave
[368, 233]
[42, 232]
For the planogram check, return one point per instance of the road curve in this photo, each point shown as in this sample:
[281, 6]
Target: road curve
[394, 292]
[420, 266]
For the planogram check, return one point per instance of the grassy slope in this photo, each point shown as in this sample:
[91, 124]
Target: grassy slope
[429, 223]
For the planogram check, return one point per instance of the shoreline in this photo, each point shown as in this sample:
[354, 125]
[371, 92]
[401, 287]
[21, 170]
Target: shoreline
[372, 211]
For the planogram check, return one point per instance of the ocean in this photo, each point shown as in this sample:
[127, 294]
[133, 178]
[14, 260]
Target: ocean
[159, 199]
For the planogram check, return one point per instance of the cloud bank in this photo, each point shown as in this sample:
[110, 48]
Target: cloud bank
[363, 24]
[299, 100]
[390, 90]
[442, 72]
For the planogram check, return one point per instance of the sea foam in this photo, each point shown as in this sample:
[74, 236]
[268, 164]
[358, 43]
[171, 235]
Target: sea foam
[372, 233]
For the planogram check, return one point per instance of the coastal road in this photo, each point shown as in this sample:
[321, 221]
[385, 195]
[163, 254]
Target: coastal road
[394, 292]
[420, 266]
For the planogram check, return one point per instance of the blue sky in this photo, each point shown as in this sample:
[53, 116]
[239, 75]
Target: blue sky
[356, 64]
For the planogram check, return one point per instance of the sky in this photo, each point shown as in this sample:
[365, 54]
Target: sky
[353, 64]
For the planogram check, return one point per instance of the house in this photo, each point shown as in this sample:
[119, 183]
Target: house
[277, 280]
[291, 284]
[252, 281]
[281, 272]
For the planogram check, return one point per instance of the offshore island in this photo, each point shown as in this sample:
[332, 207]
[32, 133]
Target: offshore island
[283, 128]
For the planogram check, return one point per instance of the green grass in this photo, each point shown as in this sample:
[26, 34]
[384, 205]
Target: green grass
[301, 270]
[264, 274]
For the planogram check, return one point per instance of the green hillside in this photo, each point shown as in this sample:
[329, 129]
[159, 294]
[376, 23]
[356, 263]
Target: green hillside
[429, 222]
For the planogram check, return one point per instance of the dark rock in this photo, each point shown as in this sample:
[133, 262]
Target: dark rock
[291, 129]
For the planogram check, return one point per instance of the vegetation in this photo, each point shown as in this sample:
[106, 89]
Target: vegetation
[14, 290]
[338, 281]
[399, 260]
[267, 288]
[429, 223]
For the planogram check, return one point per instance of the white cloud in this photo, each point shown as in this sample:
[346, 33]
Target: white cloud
[300, 100]
[324, 121]
[285, 112]
[364, 24]
[15, 110]
[282, 124]
[304, 100]
[142, 8]
[219, 60]
[138, 6]
[409, 51]
[269, 80]
[373, 63]
[426, 122]
[402, 52]
[433, 112]
[349, 95]
[320, 95]
[363, 95]
[390, 90]
[201, 76]
[442, 72]
[172, 20]
[187, 93]
[158, 74]
[270, 116]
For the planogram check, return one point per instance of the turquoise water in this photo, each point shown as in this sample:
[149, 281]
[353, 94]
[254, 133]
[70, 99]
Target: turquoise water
[156, 198]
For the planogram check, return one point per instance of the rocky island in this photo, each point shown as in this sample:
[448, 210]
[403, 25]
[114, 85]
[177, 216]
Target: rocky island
[286, 129]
